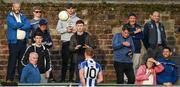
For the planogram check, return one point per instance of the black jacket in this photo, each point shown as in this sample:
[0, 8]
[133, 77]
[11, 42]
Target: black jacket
[74, 42]
[44, 61]
[150, 35]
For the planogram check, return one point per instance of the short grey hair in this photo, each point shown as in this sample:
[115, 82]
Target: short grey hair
[33, 54]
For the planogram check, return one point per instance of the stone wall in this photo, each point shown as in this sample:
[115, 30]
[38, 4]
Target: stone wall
[100, 20]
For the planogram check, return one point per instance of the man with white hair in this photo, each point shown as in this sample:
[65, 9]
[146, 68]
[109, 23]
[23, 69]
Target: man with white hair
[17, 36]
[30, 73]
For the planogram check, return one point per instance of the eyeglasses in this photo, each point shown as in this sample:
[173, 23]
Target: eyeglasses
[38, 11]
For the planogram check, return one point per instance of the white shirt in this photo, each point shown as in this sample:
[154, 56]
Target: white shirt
[158, 34]
[150, 79]
[18, 18]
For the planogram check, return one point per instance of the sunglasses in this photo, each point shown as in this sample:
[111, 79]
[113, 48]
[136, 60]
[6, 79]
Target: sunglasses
[38, 11]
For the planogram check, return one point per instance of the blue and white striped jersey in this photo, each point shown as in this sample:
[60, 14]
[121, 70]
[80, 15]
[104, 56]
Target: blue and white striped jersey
[91, 70]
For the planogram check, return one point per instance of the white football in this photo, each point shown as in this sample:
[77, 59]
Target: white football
[63, 15]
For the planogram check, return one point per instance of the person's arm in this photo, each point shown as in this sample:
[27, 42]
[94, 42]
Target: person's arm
[164, 42]
[116, 44]
[61, 28]
[48, 41]
[175, 75]
[48, 64]
[81, 76]
[91, 43]
[73, 45]
[159, 68]
[132, 45]
[100, 77]
[25, 58]
[25, 73]
[26, 24]
[146, 36]
[12, 23]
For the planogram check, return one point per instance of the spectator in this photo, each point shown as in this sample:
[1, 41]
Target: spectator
[30, 73]
[146, 74]
[44, 61]
[122, 49]
[17, 36]
[66, 29]
[37, 16]
[137, 36]
[154, 36]
[90, 72]
[169, 75]
[78, 43]
[42, 28]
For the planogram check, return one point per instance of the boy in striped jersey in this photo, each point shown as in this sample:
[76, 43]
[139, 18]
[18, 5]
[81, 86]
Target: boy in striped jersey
[90, 72]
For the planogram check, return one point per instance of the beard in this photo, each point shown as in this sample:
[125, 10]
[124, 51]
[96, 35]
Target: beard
[16, 11]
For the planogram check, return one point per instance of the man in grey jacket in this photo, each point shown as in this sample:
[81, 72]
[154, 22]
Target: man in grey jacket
[66, 29]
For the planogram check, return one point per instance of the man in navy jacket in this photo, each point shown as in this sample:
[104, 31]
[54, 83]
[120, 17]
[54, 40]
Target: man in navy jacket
[137, 36]
[154, 36]
[17, 35]
[169, 75]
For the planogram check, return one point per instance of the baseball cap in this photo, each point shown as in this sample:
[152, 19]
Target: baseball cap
[43, 22]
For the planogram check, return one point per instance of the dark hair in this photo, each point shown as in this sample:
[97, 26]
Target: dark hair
[132, 14]
[89, 51]
[80, 22]
[38, 34]
[125, 28]
[146, 62]
[154, 12]
[167, 48]
[70, 5]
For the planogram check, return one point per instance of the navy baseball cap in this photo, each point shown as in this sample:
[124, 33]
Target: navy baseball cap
[43, 22]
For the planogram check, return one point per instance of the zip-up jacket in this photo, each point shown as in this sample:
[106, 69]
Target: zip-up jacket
[44, 61]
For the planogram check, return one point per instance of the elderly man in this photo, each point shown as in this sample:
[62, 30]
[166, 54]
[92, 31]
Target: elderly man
[17, 36]
[30, 73]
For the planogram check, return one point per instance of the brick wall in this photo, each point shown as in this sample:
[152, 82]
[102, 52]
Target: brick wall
[100, 21]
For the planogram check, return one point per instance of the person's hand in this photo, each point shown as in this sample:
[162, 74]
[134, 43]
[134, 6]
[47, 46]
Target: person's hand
[137, 31]
[126, 44]
[19, 25]
[47, 74]
[168, 84]
[77, 47]
[152, 60]
[69, 29]
[86, 46]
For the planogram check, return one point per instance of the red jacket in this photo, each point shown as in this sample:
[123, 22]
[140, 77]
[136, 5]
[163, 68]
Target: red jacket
[141, 74]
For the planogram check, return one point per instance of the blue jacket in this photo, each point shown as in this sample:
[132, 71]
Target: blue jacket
[136, 37]
[121, 52]
[30, 74]
[170, 72]
[13, 25]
